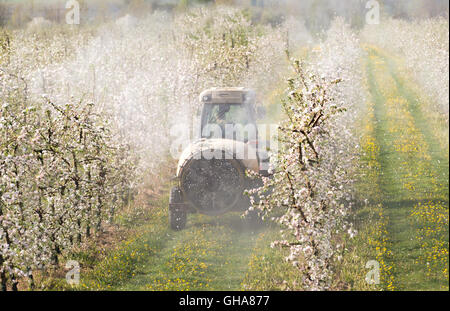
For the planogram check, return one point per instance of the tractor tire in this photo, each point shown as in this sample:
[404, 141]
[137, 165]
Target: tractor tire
[177, 214]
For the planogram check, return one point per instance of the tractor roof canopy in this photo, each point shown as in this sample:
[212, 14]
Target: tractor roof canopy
[229, 95]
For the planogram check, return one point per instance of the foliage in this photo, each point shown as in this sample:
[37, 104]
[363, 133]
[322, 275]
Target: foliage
[313, 170]
[424, 46]
[79, 109]
[61, 175]
[303, 183]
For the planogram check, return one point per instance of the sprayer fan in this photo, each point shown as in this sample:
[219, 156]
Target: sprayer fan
[213, 186]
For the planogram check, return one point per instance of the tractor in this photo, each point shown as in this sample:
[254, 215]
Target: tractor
[211, 173]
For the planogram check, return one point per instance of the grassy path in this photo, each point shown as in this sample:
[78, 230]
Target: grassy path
[412, 177]
[210, 254]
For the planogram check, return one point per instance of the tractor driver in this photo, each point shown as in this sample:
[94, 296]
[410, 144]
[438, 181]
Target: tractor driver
[223, 110]
[221, 117]
[224, 114]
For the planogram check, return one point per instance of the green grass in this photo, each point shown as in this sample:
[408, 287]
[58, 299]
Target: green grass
[120, 264]
[268, 269]
[429, 176]
[211, 253]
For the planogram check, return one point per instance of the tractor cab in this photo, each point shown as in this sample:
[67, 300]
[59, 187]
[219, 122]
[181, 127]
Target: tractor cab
[229, 113]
